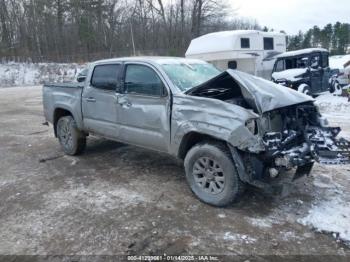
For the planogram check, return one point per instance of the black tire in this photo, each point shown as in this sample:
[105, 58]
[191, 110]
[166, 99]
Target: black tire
[72, 140]
[332, 87]
[305, 89]
[226, 186]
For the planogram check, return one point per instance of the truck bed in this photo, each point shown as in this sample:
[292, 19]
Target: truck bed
[64, 96]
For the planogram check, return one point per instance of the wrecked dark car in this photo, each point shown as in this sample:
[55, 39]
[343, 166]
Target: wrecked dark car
[305, 70]
[230, 128]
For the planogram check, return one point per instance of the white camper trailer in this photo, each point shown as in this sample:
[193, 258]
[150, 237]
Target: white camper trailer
[249, 51]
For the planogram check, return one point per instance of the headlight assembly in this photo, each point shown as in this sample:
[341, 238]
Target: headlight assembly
[252, 126]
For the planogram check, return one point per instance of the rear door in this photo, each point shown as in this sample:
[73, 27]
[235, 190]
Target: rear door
[144, 108]
[99, 100]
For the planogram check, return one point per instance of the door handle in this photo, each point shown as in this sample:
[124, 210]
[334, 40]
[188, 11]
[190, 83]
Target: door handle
[125, 103]
[122, 101]
[91, 99]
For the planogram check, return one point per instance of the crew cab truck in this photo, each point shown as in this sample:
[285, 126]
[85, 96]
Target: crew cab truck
[305, 70]
[230, 128]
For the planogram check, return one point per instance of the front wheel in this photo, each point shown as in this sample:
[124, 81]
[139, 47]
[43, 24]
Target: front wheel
[72, 140]
[305, 89]
[211, 174]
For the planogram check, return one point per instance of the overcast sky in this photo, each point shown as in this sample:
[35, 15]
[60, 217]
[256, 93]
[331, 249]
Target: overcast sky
[294, 15]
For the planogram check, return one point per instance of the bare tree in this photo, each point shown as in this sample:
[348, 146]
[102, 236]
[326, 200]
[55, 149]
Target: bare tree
[81, 30]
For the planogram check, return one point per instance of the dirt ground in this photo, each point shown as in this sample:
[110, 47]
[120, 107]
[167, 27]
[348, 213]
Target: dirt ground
[118, 199]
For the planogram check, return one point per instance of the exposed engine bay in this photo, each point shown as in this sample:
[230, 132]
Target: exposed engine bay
[299, 136]
[302, 135]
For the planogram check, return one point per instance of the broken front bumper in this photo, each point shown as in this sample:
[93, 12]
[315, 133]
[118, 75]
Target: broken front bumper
[318, 144]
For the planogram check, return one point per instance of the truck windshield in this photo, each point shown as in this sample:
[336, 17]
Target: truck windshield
[185, 76]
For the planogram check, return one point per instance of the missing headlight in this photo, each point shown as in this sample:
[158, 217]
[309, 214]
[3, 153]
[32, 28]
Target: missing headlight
[252, 126]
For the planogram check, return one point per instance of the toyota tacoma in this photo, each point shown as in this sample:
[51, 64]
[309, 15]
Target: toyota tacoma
[229, 128]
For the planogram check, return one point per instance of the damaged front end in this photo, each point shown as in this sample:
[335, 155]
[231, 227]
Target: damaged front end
[299, 137]
[288, 133]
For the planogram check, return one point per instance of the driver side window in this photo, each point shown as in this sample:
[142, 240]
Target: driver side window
[280, 66]
[315, 61]
[141, 79]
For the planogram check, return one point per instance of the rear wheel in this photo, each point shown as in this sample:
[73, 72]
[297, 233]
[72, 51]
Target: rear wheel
[72, 140]
[211, 174]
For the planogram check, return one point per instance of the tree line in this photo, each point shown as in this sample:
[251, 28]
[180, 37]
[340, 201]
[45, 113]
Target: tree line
[83, 30]
[333, 37]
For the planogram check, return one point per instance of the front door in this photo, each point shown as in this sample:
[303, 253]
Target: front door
[99, 101]
[144, 108]
[316, 73]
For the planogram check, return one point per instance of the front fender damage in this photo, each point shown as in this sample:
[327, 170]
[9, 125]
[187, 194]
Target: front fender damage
[214, 118]
[244, 140]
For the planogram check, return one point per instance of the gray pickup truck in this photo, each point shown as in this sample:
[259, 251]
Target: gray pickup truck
[230, 128]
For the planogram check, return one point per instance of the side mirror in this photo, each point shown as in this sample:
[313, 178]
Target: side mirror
[82, 75]
[81, 78]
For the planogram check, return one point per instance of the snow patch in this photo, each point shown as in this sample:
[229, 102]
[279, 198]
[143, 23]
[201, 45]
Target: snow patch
[30, 74]
[261, 222]
[302, 52]
[228, 236]
[331, 216]
[325, 181]
[338, 61]
[289, 235]
[334, 105]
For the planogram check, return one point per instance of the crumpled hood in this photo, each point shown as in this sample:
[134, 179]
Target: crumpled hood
[266, 95]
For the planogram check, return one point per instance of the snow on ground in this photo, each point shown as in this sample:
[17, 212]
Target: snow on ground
[333, 105]
[338, 61]
[29, 74]
[337, 110]
[332, 216]
[331, 213]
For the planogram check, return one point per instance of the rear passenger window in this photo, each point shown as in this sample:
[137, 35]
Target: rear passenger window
[105, 76]
[140, 79]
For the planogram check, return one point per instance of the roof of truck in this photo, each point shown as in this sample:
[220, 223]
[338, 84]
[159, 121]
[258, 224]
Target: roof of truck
[301, 52]
[151, 59]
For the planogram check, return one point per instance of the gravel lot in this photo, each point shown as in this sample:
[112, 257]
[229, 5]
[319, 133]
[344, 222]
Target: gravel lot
[118, 199]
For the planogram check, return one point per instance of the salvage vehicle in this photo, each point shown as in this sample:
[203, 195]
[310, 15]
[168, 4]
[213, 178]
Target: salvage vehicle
[305, 70]
[230, 128]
